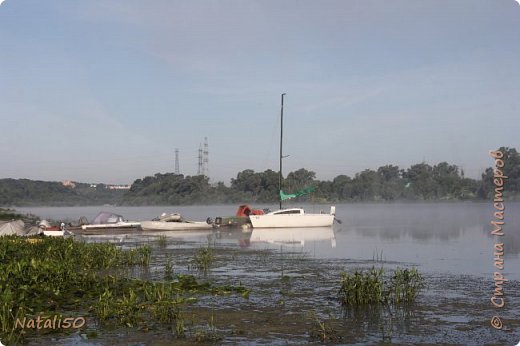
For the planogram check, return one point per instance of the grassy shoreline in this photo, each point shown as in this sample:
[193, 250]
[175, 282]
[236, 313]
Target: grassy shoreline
[43, 279]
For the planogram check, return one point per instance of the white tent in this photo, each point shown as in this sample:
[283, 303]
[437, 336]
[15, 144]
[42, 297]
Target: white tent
[12, 227]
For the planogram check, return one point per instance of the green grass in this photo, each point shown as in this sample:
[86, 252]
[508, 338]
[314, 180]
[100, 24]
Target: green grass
[60, 276]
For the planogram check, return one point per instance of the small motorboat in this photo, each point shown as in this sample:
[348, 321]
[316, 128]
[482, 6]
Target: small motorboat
[106, 221]
[51, 231]
[174, 222]
[241, 218]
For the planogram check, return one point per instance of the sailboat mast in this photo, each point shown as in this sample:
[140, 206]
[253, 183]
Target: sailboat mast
[281, 152]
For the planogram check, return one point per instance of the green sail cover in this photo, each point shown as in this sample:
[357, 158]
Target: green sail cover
[305, 191]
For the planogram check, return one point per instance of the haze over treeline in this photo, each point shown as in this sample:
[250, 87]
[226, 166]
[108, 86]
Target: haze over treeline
[419, 182]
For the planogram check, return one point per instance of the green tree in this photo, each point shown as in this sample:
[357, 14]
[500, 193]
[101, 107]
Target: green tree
[366, 186]
[511, 169]
[392, 185]
[257, 187]
[420, 179]
[342, 187]
[448, 182]
[298, 180]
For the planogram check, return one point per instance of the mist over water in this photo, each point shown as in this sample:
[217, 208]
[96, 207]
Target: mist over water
[436, 237]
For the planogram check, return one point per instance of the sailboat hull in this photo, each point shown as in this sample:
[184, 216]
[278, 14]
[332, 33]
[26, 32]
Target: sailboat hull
[291, 220]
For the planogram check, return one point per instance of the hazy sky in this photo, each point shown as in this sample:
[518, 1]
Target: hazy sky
[104, 91]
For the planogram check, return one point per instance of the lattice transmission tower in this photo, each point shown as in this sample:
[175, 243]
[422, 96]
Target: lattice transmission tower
[177, 171]
[205, 158]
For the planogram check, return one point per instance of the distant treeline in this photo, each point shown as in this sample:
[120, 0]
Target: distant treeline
[25, 192]
[419, 182]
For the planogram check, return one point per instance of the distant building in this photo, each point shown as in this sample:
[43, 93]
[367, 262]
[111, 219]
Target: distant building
[69, 184]
[118, 187]
[111, 187]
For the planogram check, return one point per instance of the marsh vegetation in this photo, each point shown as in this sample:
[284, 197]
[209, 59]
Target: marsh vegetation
[372, 287]
[45, 277]
[203, 259]
[134, 290]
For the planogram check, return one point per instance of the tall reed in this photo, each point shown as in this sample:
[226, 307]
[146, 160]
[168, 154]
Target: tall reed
[203, 259]
[371, 287]
[168, 269]
[162, 241]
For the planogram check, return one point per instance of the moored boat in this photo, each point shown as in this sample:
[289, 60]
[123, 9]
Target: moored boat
[109, 221]
[174, 222]
[48, 230]
[294, 217]
[240, 219]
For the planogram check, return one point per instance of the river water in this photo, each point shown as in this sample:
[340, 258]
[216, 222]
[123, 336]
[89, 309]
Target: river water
[436, 237]
[294, 274]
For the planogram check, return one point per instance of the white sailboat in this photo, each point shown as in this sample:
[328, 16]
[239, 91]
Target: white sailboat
[294, 217]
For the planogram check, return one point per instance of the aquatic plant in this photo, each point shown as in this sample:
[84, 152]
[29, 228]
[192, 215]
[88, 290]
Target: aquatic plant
[162, 241]
[9, 313]
[362, 287]
[58, 275]
[203, 259]
[128, 308]
[377, 256]
[180, 331]
[208, 333]
[405, 284]
[322, 330]
[102, 308]
[145, 252]
[370, 287]
[168, 269]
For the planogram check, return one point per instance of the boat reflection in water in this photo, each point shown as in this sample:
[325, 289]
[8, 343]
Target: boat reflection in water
[294, 237]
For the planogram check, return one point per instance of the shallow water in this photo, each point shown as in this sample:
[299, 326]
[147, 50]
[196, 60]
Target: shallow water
[437, 237]
[294, 276]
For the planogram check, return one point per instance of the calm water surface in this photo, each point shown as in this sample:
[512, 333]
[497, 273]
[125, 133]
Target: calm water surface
[437, 237]
[298, 275]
